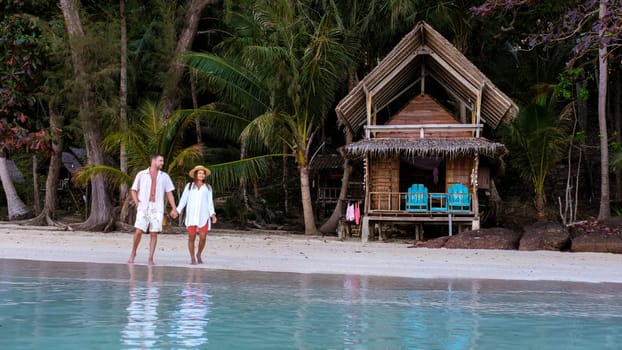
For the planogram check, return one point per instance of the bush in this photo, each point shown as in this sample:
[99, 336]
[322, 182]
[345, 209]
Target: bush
[234, 210]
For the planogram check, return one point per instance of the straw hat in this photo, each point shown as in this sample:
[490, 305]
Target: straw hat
[197, 168]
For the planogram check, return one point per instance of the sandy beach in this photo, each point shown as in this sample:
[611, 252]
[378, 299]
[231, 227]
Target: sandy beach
[278, 252]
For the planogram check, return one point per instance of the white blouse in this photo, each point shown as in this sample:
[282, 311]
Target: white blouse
[199, 205]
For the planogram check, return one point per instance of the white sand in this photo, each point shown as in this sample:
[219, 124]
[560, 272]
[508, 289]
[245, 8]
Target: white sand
[265, 251]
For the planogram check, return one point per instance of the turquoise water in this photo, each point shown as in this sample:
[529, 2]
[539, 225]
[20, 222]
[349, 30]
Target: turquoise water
[45, 305]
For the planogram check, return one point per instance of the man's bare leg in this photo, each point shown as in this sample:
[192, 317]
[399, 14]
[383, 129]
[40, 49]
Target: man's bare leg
[137, 235]
[191, 239]
[152, 246]
[202, 236]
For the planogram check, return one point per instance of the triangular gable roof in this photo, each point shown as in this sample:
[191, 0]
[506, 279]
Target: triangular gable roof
[424, 46]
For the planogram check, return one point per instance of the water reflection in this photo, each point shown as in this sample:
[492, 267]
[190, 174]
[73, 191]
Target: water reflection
[191, 318]
[352, 317]
[142, 312]
[50, 305]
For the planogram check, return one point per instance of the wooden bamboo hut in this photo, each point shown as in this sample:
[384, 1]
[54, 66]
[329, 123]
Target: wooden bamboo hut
[425, 163]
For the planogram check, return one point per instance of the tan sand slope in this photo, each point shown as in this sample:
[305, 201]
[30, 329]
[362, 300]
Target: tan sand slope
[272, 251]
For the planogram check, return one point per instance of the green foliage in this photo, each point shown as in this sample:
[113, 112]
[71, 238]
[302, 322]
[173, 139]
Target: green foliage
[147, 135]
[567, 83]
[536, 139]
[150, 134]
[280, 70]
[22, 57]
[234, 210]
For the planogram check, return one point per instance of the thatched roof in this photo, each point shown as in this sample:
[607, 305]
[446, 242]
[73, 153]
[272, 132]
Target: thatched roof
[451, 148]
[425, 51]
[326, 161]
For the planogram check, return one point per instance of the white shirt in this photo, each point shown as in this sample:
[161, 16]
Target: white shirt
[200, 205]
[142, 185]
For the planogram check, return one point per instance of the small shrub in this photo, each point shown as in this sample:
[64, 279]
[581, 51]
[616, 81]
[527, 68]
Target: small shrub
[234, 210]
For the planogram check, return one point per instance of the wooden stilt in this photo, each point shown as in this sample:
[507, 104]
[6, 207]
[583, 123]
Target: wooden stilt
[365, 230]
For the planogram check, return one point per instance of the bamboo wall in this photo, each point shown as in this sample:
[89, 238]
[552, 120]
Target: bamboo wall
[458, 170]
[422, 110]
[385, 179]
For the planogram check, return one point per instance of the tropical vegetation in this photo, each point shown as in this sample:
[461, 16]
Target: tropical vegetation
[249, 87]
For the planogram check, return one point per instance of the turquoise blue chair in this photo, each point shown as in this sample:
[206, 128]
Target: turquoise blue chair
[417, 198]
[458, 198]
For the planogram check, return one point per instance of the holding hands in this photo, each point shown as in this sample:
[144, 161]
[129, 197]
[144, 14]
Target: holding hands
[174, 213]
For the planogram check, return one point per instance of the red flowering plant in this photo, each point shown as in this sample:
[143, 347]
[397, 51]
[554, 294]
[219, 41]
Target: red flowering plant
[21, 59]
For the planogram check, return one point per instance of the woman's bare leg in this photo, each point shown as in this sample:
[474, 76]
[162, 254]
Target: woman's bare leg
[202, 239]
[191, 238]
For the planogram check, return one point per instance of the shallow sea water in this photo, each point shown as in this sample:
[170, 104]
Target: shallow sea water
[51, 305]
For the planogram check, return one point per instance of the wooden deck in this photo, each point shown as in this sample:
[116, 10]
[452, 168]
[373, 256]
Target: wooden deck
[383, 207]
[395, 204]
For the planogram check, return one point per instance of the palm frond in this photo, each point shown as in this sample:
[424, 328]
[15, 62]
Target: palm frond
[268, 130]
[186, 156]
[113, 175]
[232, 81]
[218, 116]
[227, 175]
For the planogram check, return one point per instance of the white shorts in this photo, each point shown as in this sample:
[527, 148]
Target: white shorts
[149, 218]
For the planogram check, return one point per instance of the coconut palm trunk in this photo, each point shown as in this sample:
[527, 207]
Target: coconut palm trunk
[100, 216]
[331, 224]
[307, 204]
[540, 204]
[17, 208]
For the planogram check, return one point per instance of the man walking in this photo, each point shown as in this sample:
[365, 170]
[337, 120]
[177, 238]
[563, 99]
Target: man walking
[148, 191]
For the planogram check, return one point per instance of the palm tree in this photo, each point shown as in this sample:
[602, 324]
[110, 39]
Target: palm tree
[147, 135]
[536, 139]
[282, 69]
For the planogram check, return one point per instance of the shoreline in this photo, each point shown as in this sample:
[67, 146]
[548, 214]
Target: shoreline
[281, 252]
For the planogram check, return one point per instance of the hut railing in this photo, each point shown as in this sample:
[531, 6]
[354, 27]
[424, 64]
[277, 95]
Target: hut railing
[328, 193]
[437, 203]
[422, 128]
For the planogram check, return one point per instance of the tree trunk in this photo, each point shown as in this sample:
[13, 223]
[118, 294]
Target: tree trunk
[35, 184]
[195, 103]
[243, 181]
[51, 182]
[123, 98]
[605, 210]
[284, 184]
[539, 204]
[171, 97]
[100, 216]
[495, 203]
[307, 205]
[331, 224]
[617, 117]
[17, 208]
[47, 216]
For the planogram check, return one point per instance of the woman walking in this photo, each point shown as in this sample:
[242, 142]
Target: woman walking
[198, 201]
